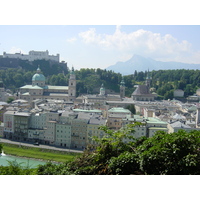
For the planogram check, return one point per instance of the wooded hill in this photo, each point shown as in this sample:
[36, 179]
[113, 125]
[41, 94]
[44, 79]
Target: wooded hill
[89, 81]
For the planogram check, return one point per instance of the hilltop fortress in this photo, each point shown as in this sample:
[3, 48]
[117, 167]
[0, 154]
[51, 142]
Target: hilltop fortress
[33, 55]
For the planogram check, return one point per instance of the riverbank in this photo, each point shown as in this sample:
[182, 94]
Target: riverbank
[38, 153]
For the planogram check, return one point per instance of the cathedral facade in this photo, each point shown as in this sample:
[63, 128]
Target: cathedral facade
[39, 90]
[142, 92]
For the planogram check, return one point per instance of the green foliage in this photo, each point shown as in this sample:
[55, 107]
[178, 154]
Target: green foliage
[90, 80]
[176, 153]
[173, 154]
[15, 168]
[169, 94]
[14, 78]
[131, 108]
[53, 169]
[168, 80]
[125, 164]
[10, 99]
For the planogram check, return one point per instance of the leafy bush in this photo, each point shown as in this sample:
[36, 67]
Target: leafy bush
[176, 153]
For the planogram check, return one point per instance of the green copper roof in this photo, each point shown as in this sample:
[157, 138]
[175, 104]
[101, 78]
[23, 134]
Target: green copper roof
[119, 109]
[53, 87]
[88, 111]
[122, 83]
[72, 71]
[38, 77]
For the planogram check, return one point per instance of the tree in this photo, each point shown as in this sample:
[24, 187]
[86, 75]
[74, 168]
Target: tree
[169, 94]
[174, 154]
[131, 108]
[10, 99]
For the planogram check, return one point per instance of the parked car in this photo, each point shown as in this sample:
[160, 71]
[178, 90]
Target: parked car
[36, 143]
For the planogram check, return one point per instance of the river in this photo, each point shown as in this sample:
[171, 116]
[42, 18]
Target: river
[6, 159]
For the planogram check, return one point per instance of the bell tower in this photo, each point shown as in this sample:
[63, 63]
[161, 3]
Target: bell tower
[148, 80]
[122, 88]
[102, 90]
[72, 85]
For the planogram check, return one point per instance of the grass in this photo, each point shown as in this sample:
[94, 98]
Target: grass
[38, 153]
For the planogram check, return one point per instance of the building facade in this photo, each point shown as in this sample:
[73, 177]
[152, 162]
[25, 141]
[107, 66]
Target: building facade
[39, 90]
[33, 55]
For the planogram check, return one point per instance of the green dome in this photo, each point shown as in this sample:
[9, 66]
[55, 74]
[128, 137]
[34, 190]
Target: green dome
[38, 77]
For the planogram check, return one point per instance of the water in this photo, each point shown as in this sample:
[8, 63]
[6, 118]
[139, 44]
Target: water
[5, 159]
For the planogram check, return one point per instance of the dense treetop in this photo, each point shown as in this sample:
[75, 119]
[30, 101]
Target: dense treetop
[89, 81]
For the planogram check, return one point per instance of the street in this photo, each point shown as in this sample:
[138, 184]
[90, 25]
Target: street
[2, 140]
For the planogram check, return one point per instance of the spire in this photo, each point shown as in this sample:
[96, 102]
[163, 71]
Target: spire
[38, 69]
[148, 75]
[72, 71]
[102, 90]
[122, 83]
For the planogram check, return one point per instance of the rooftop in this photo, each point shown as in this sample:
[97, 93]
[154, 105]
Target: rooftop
[119, 110]
[87, 111]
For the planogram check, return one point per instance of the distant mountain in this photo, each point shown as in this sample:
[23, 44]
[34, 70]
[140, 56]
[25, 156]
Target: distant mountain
[140, 63]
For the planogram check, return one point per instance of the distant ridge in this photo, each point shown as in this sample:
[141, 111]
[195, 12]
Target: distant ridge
[140, 63]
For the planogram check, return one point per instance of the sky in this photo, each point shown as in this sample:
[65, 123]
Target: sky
[111, 32]
[99, 46]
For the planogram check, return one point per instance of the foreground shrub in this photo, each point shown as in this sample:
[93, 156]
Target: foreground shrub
[176, 153]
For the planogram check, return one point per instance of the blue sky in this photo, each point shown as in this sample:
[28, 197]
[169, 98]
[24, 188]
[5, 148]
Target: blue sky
[99, 46]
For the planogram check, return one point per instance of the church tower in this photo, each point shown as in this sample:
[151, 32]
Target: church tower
[72, 85]
[148, 80]
[122, 88]
[102, 90]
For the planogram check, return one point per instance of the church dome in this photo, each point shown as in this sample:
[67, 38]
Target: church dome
[38, 77]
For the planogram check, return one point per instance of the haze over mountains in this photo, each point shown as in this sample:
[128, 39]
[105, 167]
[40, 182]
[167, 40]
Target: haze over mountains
[140, 63]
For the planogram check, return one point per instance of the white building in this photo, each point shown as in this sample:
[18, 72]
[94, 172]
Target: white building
[9, 123]
[63, 134]
[178, 93]
[33, 55]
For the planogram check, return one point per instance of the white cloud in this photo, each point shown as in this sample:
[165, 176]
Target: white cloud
[142, 42]
[71, 40]
[16, 50]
